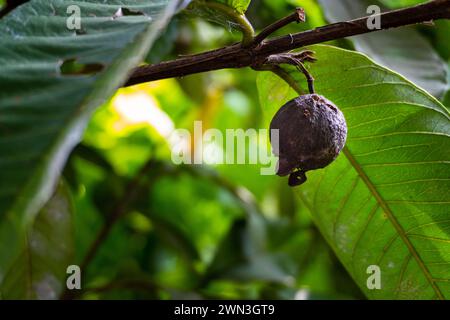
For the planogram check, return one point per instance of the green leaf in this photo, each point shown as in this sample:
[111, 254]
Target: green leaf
[447, 99]
[403, 50]
[385, 200]
[394, 4]
[240, 6]
[229, 13]
[52, 79]
[439, 36]
[40, 270]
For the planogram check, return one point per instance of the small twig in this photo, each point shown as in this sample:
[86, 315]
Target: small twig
[297, 16]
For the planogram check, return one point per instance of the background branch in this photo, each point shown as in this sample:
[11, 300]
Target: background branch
[132, 191]
[236, 56]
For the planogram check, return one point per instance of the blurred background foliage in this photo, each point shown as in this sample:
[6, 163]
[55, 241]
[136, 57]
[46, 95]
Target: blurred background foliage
[221, 231]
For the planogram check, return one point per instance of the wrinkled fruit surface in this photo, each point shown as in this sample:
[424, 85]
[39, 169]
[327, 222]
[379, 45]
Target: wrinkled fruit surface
[312, 132]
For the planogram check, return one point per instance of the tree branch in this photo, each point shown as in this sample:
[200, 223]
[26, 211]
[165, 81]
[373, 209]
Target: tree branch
[237, 56]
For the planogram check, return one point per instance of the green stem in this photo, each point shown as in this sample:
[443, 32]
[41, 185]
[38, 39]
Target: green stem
[284, 75]
[248, 33]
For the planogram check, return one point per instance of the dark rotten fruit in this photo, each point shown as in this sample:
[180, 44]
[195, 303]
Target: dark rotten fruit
[312, 132]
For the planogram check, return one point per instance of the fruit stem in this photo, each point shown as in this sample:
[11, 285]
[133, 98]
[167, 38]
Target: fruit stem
[284, 75]
[295, 59]
[309, 78]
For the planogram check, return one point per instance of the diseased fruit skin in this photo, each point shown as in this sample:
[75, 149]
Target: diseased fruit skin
[312, 133]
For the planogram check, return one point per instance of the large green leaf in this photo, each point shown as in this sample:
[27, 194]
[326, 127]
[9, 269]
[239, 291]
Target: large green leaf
[385, 200]
[50, 83]
[404, 50]
[40, 269]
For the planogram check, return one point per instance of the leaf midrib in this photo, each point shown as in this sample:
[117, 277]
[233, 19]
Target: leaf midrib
[387, 210]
